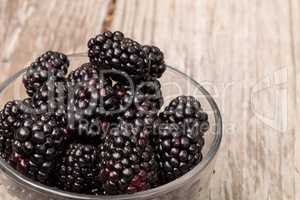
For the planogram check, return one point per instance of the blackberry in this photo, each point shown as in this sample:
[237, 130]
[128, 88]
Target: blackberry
[126, 55]
[101, 48]
[140, 108]
[148, 97]
[10, 119]
[49, 66]
[11, 113]
[93, 97]
[6, 140]
[90, 108]
[39, 142]
[143, 100]
[185, 109]
[78, 169]
[180, 137]
[84, 73]
[123, 95]
[52, 98]
[128, 162]
[156, 59]
[178, 151]
[132, 60]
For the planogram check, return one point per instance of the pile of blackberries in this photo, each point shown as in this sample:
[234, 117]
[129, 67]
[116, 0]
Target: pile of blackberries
[98, 129]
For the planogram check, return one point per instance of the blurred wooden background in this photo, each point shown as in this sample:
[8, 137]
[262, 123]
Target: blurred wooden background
[246, 53]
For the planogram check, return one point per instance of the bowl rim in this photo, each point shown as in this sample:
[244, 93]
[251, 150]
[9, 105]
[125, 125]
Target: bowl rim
[55, 192]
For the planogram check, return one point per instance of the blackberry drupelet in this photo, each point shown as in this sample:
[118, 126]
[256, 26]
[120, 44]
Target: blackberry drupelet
[11, 117]
[49, 66]
[39, 142]
[156, 60]
[78, 169]
[126, 55]
[180, 136]
[89, 108]
[128, 161]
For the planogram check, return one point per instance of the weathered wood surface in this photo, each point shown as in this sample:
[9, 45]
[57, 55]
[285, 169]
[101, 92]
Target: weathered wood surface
[246, 53]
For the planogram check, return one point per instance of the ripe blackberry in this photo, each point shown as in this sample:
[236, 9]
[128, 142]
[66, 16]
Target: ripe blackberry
[90, 107]
[49, 66]
[156, 59]
[126, 55]
[101, 48]
[52, 98]
[93, 97]
[185, 109]
[145, 99]
[148, 97]
[178, 150]
[140, 107]
[39, 142]
[132, 60]
[123, 95]
[11, 117]
[180, 136]
[78, 169]
[128, 162]
[84, 73]
[6, 140]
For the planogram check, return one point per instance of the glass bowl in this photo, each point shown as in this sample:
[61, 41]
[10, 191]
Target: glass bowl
[193, 185]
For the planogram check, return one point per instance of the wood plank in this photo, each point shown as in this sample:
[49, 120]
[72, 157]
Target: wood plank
[244, 53]
[28, 28]
[295, 102]
[35, 26]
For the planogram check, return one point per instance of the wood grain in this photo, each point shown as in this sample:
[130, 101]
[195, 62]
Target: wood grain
[246, 53]
[30, 27]
[295, 89]
[34, 26]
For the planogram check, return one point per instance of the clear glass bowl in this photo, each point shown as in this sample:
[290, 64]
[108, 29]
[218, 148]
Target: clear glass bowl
[193, 185]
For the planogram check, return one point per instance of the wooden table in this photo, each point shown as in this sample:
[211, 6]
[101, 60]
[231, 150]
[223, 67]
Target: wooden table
[246, 53]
